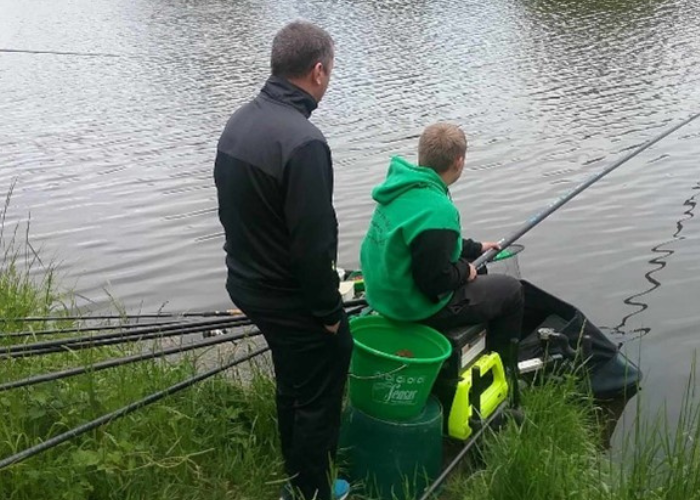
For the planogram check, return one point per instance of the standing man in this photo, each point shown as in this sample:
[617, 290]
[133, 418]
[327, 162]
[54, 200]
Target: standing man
[274, 179]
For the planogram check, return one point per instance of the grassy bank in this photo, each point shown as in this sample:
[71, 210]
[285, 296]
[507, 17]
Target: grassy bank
[555, 454]
[217, 439]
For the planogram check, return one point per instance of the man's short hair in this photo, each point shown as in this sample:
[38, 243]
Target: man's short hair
[298, 47]
[440, 145]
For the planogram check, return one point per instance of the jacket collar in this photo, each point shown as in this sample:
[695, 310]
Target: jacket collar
[281, 90]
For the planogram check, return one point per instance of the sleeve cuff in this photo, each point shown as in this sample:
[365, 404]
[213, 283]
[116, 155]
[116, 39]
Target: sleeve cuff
[471, 249]
[334, 317]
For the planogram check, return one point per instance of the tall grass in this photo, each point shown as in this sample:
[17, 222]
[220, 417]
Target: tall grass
[552, 455]
[661, 457]
[555, 454]
[19, 295]
[215, 440]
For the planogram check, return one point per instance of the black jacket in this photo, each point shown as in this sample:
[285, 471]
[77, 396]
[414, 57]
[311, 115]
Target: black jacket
[274, 180]
[433, 270]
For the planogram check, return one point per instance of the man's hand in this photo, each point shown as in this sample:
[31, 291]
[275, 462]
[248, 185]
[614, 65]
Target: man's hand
[488, 245]
[472, 273]
[332, 328]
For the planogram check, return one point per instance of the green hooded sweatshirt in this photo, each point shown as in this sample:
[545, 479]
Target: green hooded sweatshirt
[411, 200]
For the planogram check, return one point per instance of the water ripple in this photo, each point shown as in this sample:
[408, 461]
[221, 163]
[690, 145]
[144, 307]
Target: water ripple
[113, 155]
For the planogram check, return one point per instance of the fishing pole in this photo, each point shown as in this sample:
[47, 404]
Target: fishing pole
[41, 348]
[549, 209]
[59, 53]
[111, 363]
[102, 340]
[121, 412]
[428, 494]
[136, 332]
[202, 314]
[101, 328]
[133, 331]
[110, 417]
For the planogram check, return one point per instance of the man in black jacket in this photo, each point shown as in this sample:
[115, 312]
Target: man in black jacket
[274, 179]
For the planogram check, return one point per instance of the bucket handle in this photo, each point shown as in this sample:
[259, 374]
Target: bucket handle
[378, 375]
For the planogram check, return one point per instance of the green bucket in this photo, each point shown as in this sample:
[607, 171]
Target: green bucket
[394, 366]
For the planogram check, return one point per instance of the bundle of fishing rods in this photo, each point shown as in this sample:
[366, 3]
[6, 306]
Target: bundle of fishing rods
[216, 327]
[209, 324]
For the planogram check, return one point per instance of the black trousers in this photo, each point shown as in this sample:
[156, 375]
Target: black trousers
[494, 299]
[311, 367]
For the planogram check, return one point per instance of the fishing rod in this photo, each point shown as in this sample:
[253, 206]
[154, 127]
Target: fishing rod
[121, 412]
[102, 340]
[101, 328]
[41, 348]
[202, 314]
[58, 53]
[111, 363]
[428, 494]
[552, 207]
[136, 332]
[133, 331]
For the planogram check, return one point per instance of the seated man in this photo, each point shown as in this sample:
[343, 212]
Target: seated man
[416, 265]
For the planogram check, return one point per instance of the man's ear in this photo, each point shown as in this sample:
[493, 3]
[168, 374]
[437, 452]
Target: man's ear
[317, 73]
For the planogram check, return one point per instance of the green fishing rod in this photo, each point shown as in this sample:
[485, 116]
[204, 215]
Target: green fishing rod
[556, 204]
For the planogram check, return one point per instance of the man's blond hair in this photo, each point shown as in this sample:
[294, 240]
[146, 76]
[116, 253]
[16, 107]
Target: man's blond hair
[440, 145]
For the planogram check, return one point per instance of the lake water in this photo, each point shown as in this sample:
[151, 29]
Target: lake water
[110, 111]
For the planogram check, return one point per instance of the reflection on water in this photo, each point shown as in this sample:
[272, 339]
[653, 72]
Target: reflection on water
[660, 262]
